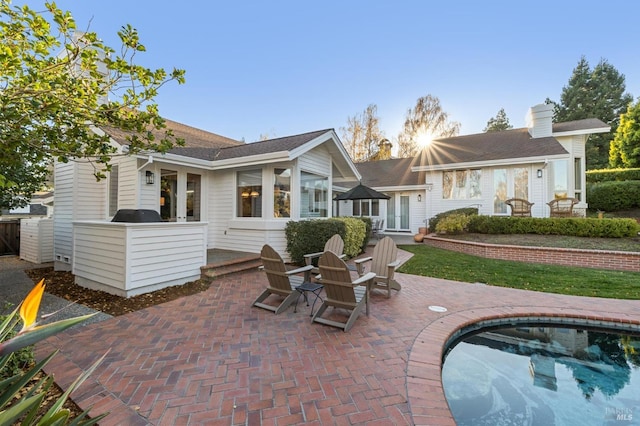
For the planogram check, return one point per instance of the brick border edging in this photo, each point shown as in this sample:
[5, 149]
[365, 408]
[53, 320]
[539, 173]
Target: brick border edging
[425, 393]
[599, 259]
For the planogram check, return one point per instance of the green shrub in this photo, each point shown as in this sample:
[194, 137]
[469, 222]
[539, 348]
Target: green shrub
[578, 227]
[355, 235]
[609, 175]
[453, 223]
[614, 196]
[310, 236]
[469, 211]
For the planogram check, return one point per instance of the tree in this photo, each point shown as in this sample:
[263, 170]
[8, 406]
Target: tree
[598, 93]
[362, 134]
[625, 147]
[54, 82]
[498, 123]
[425, 120]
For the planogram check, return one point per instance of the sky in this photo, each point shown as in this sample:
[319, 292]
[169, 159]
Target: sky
[278, 68]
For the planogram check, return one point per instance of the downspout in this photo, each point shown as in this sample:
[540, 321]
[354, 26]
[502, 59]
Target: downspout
[149, 161]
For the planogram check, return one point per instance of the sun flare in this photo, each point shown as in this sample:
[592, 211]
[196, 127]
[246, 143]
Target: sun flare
[424, 139]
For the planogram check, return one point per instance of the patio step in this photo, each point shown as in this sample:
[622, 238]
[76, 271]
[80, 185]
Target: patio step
[230, 266]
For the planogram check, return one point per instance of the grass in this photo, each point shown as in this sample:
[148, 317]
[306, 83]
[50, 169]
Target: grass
[433, 262]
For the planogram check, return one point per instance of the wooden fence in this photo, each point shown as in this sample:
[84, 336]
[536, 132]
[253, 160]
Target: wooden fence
[10, 237]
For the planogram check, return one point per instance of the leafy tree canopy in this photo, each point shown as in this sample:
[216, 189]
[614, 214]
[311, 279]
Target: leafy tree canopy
[594, 93]
[498, 123]
[426, 120]
[55, 81]
[625, 147]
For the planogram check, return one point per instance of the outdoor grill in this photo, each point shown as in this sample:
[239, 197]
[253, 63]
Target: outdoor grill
[136, 216]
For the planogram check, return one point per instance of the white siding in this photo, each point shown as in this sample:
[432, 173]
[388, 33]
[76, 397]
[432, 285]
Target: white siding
[78, 197]
[317, 161]
[36, 240]
[63, 214]
[128, 183]
[134, 258]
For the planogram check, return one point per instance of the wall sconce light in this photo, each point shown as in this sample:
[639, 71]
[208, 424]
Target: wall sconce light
[161, 201]
[539, 173]
[429, 187]
[150, 177]
[419, 197]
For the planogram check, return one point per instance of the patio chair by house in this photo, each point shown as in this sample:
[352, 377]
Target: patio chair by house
[562, 207]
[281, 281]
[519, 207]
[341, 292]
[334, 244]
[377, 227]
[384, 262]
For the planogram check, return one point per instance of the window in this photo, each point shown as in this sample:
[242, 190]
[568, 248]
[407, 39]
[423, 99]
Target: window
[461, 185]
[281, 192]
[500, 191]
[193, 197]
[509, 183]
[521, 183]
[366, 207]
[249, 193]
[577, 170]
[314, 194]
[559, 178]
[113, 190]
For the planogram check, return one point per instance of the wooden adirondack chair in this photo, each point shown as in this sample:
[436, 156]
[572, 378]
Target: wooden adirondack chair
[281, 281]
[384, 262]
[334, 244]
[342, 291]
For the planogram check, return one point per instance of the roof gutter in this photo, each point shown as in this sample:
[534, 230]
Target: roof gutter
[488, 163]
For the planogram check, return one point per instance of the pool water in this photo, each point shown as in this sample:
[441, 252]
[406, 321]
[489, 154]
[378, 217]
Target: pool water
[544, 376]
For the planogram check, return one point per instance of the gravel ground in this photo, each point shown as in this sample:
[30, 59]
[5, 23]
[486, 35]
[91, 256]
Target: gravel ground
[15, 284]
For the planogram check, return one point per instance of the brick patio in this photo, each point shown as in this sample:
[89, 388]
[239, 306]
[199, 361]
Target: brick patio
[213, 359]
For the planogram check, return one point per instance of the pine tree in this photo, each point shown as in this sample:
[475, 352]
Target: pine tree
[598, 93]
[498, 123]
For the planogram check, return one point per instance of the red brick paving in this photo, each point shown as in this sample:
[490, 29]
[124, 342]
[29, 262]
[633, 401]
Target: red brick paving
[213, 359]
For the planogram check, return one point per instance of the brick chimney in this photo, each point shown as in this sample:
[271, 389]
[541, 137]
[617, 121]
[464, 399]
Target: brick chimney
[540, 120]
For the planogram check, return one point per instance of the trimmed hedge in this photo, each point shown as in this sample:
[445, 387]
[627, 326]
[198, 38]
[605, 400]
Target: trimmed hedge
[614, 196]
[609, 175]
[578, 227]
[310, 236]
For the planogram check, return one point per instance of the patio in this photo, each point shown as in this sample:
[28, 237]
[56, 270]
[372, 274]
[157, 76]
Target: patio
[213, 359]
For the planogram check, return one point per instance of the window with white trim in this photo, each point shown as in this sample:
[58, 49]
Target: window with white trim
[461, 184]
[249, 193]
[314, 194]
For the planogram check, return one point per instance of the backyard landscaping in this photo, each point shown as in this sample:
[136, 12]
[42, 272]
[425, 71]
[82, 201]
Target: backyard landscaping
[427, 261]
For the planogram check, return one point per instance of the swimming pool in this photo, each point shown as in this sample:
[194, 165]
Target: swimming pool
[543, 374]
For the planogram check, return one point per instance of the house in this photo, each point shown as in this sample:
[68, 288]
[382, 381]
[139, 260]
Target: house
[214, 192]
[540, 162]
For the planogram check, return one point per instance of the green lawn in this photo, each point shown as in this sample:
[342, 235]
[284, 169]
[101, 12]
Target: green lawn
[433, 262]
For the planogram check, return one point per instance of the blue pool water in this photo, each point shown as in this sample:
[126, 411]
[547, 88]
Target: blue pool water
[544, 375]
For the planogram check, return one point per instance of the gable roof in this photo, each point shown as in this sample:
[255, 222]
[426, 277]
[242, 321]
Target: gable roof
[193, 137]
[288, 143]
[491, 146]
[499, 147]
[394, 172]
[587, 125]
